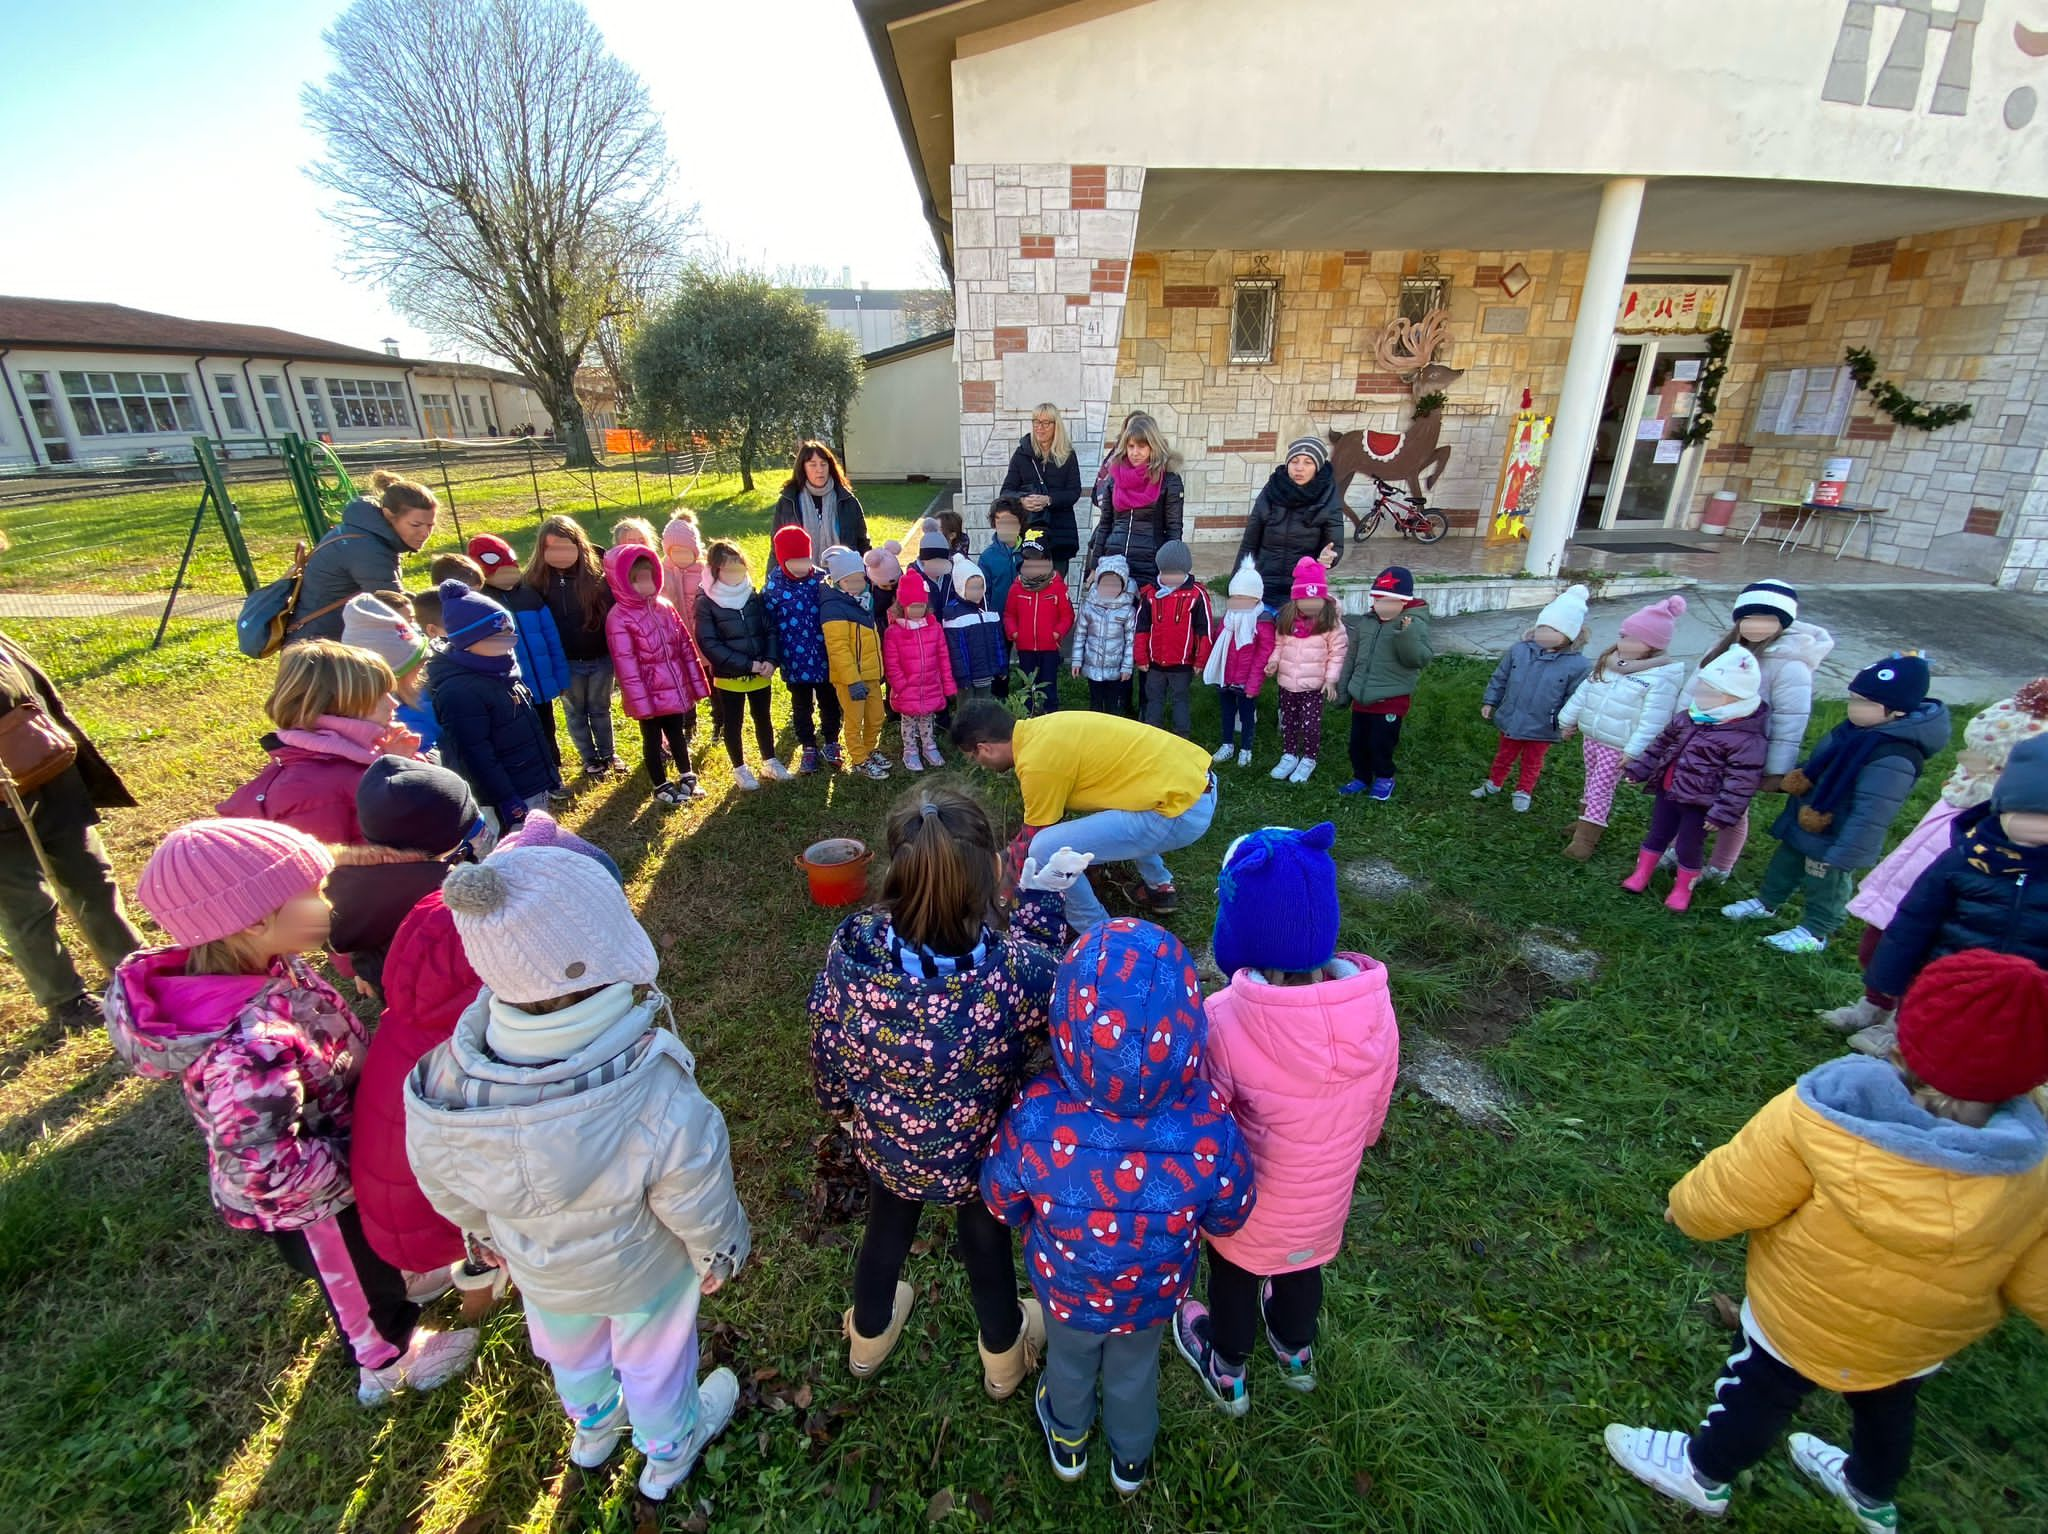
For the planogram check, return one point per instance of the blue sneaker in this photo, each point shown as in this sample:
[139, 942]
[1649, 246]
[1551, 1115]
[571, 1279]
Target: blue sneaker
[1069, 1455]
[1383, 789]
[1355, 786]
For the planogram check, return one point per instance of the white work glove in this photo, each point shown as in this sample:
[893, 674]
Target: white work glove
[1059, 872]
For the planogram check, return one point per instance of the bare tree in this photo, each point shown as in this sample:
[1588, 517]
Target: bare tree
[929, 309]
[501, 174]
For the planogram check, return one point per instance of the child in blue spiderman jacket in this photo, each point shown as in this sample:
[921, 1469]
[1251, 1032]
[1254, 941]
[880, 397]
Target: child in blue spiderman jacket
[1114, 1162]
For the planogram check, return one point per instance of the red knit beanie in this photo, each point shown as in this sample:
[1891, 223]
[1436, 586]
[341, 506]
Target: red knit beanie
[790, 543]
[1975, 1025]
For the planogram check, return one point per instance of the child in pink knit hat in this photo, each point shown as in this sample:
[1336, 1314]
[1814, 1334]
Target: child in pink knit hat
[268, 1055]
[1307, 659]
[1622, 705]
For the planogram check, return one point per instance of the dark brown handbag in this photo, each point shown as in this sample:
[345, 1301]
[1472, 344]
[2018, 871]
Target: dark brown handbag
[34, 748]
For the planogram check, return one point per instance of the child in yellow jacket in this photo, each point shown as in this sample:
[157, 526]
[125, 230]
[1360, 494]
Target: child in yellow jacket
[1895, 1209]
[853, 645]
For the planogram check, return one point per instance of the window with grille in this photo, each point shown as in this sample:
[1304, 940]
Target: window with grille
[1419, 295]
[1254, 316]
[367, 402]
[130, 404]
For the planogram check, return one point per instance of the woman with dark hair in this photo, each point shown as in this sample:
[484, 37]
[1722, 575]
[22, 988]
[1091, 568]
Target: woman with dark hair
[361, 556]
[1045, 476]
[1298, 515]
[818, 499]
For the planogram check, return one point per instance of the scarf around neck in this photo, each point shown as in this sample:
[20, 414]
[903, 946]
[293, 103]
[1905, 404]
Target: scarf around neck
[1283, 492]
[1135, 487]
[506, 665]
[535, 1038]
[355, 740]
[1238, 631]
[922, 963]
[820, 511]
[730, 595]
[1840, 759]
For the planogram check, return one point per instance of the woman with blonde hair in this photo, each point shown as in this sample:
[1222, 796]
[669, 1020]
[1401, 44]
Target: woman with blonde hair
[1138, 501]
[333, 707]
[1045, 477]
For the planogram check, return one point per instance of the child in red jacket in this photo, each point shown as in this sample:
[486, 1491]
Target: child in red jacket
[1173, 636]
[1036, 615]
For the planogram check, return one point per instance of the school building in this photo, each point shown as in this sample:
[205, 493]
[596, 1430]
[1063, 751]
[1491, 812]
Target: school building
[1655, 231]
[102, 384]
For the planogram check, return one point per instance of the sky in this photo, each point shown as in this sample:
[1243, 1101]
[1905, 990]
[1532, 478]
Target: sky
[156, 150]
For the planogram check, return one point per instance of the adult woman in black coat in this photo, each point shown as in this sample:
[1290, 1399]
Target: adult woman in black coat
[1138, 501]
[818, 499]
[1298, 515]
[362, 554]
[1045, 477]
[63, 813]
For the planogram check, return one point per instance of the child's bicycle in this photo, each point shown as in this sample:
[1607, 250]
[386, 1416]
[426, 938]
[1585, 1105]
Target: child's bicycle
[1412, 518]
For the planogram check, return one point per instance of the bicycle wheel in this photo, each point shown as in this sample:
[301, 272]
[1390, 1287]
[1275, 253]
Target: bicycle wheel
[1436, 524]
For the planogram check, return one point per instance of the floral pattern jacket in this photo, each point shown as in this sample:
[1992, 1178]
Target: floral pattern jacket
[925, 1067]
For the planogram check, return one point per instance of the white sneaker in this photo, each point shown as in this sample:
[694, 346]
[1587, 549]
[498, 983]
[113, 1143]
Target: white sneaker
[1796, 940]
[1710, 874]
[744, 780]
[1748, 910]
[716, 1398]
[1661, 1460]
[1284, 768]
[1303, 770]
[1521, 802]
[1244, 757]
[1223, 754]
[774, 771]
[425, 1288]
[1486, 790]
[597, 1436]
[1821, 1462]
[430, 1359]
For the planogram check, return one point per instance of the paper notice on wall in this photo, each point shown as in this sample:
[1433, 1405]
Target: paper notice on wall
[1650, 429]
[1669, 450]
[1686, 372]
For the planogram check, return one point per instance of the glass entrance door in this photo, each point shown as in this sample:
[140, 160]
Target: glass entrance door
[1640, 468]
[1609, 436]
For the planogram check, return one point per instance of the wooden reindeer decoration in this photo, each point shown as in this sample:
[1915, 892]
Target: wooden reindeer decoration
[1406, 347]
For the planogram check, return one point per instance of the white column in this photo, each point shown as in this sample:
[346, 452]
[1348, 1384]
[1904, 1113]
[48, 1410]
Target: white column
[1585, 380]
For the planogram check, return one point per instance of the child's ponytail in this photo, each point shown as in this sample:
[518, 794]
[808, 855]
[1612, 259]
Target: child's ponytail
[944, 870]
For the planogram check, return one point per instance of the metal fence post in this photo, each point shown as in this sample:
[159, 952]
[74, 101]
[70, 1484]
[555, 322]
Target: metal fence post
[448, 490]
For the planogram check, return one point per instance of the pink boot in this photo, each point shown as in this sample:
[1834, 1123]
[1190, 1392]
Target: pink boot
[1680, 898]
[1646, 864]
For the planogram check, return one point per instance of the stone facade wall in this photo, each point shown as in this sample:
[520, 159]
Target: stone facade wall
[1959, 315]
[1041, 256]
[1230, 423]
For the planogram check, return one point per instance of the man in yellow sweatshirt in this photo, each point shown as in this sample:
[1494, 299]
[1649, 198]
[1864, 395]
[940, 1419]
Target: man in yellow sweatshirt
[1895, 1209]
[1135, 792]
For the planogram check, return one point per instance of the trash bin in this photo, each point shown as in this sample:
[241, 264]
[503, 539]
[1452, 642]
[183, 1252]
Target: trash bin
[1719, 513]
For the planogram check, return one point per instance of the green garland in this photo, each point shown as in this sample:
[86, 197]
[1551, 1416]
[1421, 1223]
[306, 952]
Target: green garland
[1708, 395]
[1431, 403]
[1896, 402]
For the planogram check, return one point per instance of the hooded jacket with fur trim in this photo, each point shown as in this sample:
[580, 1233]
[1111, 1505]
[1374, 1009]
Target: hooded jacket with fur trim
[1882, 1239]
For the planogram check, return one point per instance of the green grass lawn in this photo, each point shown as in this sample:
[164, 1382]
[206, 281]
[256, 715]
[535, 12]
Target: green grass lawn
[129, 543]
[1503, 1294]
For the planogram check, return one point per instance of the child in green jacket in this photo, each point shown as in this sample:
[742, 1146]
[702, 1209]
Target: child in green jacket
[1388, 649]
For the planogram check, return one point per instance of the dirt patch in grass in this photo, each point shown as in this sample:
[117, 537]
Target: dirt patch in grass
[1488, 1013]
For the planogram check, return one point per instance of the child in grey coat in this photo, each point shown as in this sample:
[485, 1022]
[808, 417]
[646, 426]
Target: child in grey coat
[1105, 634]
[1529, 688]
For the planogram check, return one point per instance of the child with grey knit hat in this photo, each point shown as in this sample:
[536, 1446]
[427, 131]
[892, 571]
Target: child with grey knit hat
[562, 1125]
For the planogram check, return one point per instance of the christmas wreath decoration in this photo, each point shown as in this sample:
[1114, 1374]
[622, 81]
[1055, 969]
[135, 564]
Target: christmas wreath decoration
[1896, 402]
[1708, 395]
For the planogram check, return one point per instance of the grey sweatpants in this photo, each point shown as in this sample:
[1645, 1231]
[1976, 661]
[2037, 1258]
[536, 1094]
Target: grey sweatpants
[1128, 1366]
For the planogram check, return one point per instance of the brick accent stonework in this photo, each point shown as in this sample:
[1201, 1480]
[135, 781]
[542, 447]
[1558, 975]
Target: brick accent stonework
[1041, 256]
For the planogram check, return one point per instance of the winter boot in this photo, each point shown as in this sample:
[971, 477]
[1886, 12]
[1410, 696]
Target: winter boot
[1878, 1040]
[1585, 840]
[1646, 865]
[1860, 1014]
[864, 1355]
[1680, 898]
[1002, 1373]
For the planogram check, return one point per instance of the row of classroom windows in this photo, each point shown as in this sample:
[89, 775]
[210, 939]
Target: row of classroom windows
[135, 404]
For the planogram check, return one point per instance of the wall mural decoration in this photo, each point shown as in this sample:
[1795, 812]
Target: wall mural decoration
[1408, 348]
[1520, 473]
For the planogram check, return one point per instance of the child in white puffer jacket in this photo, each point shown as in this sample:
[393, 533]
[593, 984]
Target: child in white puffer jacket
[1623, 705]
[562, 1126]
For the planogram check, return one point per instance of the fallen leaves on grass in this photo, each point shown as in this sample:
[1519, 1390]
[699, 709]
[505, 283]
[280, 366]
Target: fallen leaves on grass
[940, 1508]
[839, 1185]
[1726, 1312]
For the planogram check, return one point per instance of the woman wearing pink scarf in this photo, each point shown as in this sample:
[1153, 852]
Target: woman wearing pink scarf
[1138, 500]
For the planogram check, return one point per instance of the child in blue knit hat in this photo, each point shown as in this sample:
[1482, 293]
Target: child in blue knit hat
[1304, 1048]
[1843, 798]
[488, 719]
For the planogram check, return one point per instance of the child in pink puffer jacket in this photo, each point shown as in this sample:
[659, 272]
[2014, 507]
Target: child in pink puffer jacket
[919, 669]
[1303, 1048]
[661, 676]
[1236, 667]
[1308, 657]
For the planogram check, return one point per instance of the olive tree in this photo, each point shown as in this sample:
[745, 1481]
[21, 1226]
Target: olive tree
[500, 174]
[748, 365]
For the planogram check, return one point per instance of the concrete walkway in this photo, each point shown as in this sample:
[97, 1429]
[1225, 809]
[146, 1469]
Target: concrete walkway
[1981, 643]
[140, 604]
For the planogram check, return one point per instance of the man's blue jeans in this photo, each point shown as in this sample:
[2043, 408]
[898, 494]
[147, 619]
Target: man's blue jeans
[1115, 836]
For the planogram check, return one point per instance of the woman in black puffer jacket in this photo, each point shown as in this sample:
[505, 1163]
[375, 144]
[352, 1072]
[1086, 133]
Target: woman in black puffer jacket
[1138, 502]
[1046, 476]
[1299, 515]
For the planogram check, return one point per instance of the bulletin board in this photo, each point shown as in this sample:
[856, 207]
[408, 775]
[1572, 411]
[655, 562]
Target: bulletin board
[1805, 402]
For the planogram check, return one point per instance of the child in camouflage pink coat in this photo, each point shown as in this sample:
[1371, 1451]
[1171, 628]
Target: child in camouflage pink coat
[268, 1054]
